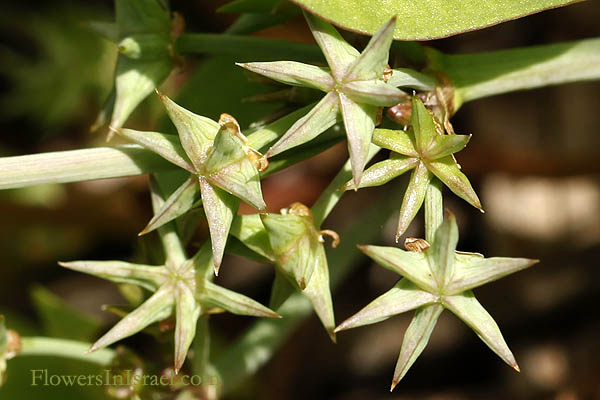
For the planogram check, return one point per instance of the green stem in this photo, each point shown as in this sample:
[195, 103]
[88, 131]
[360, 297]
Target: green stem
[332, 194]
[247, 47]
[434, 209]
[78, 165]
[491, 73]
[258, 344]
[45, 346]
[201, 360]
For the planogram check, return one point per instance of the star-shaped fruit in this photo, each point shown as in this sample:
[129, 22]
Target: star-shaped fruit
[223, 169]
[426, 151]
[181, 286]
[434, 279]
[354, 85]
[292, 242]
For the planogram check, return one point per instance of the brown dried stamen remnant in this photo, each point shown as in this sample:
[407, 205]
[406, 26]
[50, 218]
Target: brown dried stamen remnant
[233, 127]
[416, 245]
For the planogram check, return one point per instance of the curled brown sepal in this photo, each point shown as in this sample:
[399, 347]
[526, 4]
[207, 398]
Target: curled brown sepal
[182, 288]
[355, 86]
[222, 167]
[299, 255]
[435, 279]
[10, 346]
[428, 153]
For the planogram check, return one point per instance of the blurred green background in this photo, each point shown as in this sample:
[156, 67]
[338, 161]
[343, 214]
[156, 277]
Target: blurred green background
[55, 75]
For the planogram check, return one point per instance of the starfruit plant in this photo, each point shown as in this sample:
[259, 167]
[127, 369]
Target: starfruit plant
[222, 166]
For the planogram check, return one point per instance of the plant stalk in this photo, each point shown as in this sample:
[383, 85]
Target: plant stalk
[434, 209]
[45, 346]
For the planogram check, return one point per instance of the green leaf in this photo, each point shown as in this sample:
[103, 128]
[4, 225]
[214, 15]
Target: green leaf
[404, 77]
[448, 172]
[157, 307]
[441, 253]
[187, 312]
[216, 296]
[249, 6]
[413, 198]
[180, 202]
[422, 21]
[319, 119]
[219, 207]
[196, 132]
[339, 54]
[383, 172]
[415, 339]
[411, 265]
[446, 145]
[229, 168]
[478, 271]
[281, 290]
[359, 121]
[59, 319]
[423, 125]
[250, 230]
[404, 296]
[119, 271]
[141, 16]
[400, 142]
[374, 92]
[293, 73]
[372, 61]
[318, 291]
[467, 308]
[167, 146]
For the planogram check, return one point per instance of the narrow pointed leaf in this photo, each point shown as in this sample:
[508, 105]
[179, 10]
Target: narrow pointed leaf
[250, 230]
[422, 124]
[135, 80]
[217, 296]
[293, 73]
[467, 308]
[359, 121]
[448, 172]
[404, 296]
[180, 202]
[400, 142]
[411, 265]
[374, 92]
[415, 339]
[479, 271]
[187, 313]
[157, 307]
[339, 54]
[167, 146]
[219, 207]
[413, 198]
[146, 276]
[446, 145]
[404, 77]
[441, 253]
[374, 58]
[318, 120]
[383, 172]
[318, 292]
[141, 16]
[229, 168]
[196, 132]
[295, 246]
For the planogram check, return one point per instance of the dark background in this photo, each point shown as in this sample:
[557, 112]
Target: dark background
[533, 160]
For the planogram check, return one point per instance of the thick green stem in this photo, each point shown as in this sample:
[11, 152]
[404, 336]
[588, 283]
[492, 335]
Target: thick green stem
[258, 344]
[247, 47]
[78, 165]
[487, 74]
[434, 209]
[45, 346]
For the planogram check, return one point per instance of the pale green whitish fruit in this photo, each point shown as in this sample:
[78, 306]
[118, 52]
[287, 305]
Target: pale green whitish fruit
[435, 279]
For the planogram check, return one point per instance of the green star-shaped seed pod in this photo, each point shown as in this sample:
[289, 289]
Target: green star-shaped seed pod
[292, 242]
[181, 286]
[354, 85]
[434, 279]
[426, 151]
[223, 169]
